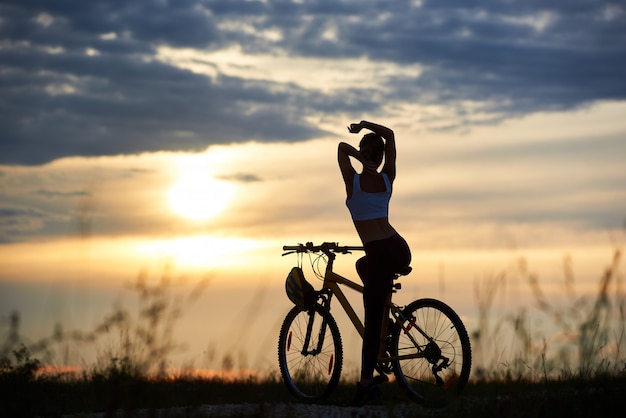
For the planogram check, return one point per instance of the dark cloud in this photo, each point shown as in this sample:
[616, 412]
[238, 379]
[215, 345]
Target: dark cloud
[125, 105]
[58, 98]
[516, 57]
[55, 193]
[15, 222]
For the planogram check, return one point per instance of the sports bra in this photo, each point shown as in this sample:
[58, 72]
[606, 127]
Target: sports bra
[364, 205]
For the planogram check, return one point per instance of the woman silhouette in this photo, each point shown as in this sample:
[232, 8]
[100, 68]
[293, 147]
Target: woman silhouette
[386, 252]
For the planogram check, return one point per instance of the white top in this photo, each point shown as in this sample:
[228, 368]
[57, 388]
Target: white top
[364, 205]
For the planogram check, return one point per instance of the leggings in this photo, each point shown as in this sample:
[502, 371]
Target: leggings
[383, 259]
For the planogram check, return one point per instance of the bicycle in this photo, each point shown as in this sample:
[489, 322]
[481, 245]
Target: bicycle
[424, 344]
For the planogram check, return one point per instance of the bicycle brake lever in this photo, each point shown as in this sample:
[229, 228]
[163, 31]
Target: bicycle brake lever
[344, 250]
[287, 253]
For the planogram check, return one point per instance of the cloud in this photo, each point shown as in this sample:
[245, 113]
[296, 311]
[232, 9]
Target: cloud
[241, 178]
[84, 78]
[18, 221]
[55, 193]
[121, 106]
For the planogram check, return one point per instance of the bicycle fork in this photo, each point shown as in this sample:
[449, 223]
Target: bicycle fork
[309, 332]
[322, 330]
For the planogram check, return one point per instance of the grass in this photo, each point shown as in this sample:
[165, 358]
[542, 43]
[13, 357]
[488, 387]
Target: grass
[24, 394]
[591, 337]
[57, 395]
[131, 373]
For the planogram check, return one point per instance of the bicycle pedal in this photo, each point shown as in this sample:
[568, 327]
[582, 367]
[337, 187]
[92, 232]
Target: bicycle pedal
[380, 378]
[384, 368]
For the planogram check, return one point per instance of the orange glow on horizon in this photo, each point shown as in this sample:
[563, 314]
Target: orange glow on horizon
[201, 251]
[172, 373]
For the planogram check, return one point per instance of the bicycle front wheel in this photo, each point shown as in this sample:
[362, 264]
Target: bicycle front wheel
[437, 353]
[310, 353]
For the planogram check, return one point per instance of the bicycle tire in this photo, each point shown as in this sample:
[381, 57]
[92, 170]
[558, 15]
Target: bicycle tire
[448, 339]
[310, 376]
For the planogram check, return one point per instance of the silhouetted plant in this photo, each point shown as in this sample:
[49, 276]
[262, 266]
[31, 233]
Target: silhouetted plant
[23, 368]
[142, 338]
[145, 337]
[592, 329]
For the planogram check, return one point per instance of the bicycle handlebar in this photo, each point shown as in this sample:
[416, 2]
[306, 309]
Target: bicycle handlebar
[327, 247]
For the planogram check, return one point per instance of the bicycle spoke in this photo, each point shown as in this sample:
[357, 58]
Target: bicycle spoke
[310, 371]
[439, 337]
[428, 346]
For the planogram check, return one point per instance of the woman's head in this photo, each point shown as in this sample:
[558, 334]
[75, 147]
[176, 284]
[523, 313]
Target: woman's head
[372, 147]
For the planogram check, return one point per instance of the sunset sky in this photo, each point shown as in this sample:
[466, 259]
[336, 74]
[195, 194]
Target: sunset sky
[203, 135]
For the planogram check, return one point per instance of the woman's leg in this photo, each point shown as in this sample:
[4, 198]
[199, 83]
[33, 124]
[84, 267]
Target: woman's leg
[374, 297]
[377, 269]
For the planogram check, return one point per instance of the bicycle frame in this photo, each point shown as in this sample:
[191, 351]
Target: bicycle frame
[332, 281]
[310, 352]
[331, 287]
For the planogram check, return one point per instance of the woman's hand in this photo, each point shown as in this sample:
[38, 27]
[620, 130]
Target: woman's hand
[355, 128]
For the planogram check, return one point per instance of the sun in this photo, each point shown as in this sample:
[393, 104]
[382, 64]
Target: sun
[199, 198]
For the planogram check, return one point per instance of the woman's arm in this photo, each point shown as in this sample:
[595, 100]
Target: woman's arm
[344, 152]
[390, 144]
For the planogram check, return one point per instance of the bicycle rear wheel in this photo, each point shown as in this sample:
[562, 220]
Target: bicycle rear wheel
[433, 329]
[310, 353]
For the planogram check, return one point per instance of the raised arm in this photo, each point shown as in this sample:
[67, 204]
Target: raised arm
[344, 152]
[390, 144]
